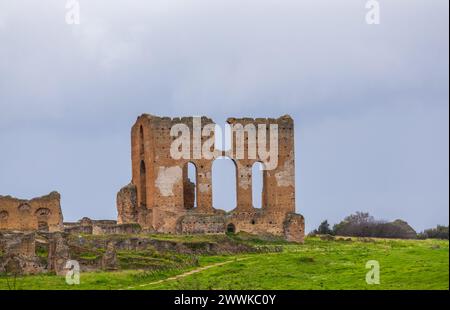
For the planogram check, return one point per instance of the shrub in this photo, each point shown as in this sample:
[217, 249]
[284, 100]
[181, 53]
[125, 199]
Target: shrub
[440, 232]
[323, 229]
[362, 224]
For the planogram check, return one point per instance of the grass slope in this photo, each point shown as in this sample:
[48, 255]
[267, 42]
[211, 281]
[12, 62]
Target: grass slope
[318, 264]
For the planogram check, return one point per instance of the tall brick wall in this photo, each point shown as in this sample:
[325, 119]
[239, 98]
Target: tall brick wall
[160, 197]
[278, 183]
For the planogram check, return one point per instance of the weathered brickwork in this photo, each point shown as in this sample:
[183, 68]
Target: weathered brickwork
[43, 213]
[161, 197]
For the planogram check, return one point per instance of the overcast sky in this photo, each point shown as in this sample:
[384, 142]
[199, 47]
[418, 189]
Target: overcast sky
[370, 102]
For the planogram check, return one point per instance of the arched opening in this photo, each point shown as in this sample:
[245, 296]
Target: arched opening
[257, 185]
[143, 185]
[231, 229]
[43, 212]
[141, 140]
[3, 217]
[24, 209]
[190, 185]
[224, 184]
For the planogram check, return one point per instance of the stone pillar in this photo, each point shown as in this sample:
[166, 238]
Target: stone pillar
[204, 186]
[127, 205]
[58, 253]
[294, 228]
[109, 259]
[244, 185]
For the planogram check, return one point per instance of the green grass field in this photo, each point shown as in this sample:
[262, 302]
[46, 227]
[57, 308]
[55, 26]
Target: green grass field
[317, 264]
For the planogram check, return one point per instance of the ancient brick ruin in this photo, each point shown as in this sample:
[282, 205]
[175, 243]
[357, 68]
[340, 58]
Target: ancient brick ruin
[43, 213]
[160, 195]
[162, 199]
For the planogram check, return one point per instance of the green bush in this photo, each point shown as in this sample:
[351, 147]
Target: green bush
[440, 232]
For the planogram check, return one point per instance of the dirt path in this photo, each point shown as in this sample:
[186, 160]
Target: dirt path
[187, 273]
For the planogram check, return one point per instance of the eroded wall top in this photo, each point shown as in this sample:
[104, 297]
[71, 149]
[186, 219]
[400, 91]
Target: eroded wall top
[42, 213]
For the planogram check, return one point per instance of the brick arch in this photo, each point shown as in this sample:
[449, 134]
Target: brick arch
[42, 217]
[43, 212]
[164, 183]
[141, 141]
[4, 215]
[24, 208]
[231, 228]
[258, 189]
[143, 183]
[190, 187]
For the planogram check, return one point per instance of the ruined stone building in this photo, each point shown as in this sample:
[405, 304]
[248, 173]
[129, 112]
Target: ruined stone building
[160, 196]
[43, 213]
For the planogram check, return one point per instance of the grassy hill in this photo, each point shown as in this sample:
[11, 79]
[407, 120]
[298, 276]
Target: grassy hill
[317, 264]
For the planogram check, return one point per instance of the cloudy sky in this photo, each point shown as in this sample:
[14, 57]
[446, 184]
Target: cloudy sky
[370, 102]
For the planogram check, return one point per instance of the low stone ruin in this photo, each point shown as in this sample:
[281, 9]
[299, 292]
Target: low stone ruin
[100, 227]
[42, 252]
[18, 254]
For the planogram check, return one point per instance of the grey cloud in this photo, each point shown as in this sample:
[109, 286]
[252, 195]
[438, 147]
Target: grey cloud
[370, 102]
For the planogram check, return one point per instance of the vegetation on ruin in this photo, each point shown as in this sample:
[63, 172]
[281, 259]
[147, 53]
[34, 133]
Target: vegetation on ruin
[337, 263]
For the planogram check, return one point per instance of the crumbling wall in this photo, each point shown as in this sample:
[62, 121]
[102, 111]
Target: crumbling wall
[43, 213]
[127, 204]
[294, 227]
[101, 227]
[279, 179]
[188, 190]
[18, 254]
[58, 253]
[201, 223]
[161, 196]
